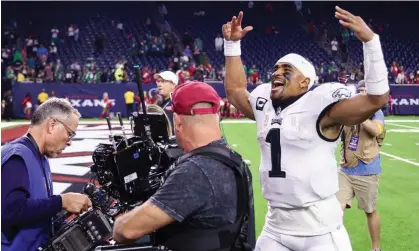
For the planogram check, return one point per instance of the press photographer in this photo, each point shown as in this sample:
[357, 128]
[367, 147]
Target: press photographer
[205, 200]
[28, 203]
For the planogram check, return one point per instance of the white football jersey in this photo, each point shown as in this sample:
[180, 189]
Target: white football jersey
[298, 167]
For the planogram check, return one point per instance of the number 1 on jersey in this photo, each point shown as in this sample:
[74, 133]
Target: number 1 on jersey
[274, 138]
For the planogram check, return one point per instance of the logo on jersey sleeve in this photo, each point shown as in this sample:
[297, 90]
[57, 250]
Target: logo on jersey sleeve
[260, 103]
[341, 93]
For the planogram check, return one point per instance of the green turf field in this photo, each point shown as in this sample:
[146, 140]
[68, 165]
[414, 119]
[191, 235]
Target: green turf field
[398, 202]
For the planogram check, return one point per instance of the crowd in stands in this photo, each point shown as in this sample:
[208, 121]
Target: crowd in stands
[44, 66]
[399, 75]
[31, 59]
[44, 58]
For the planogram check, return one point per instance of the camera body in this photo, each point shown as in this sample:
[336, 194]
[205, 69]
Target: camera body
[126, 174]
[82, 233]
[132, 169]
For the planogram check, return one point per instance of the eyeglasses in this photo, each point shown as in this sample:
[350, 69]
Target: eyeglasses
[71, 133]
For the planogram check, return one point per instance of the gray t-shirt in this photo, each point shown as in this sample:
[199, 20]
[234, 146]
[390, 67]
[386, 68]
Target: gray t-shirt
[200, 192]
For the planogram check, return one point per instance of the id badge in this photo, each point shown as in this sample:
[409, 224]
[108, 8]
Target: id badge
[353, 143]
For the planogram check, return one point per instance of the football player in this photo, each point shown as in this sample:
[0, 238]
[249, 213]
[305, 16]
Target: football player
[298, 128]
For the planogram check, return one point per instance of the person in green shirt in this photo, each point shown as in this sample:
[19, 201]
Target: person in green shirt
[18, 57]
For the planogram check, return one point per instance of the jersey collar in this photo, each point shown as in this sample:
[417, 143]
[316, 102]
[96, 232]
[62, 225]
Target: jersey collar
[285, 103]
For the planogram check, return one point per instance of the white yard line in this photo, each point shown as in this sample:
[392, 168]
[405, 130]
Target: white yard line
[5, 124]
[60, 187]
[244, 121]
[404, 126]
[403, 120]
[404, 130]
[101, 122]
[9, 124]
[400, 158]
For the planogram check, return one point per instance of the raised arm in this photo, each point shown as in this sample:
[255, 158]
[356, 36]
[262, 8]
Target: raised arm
[235, 81]
[357, 109]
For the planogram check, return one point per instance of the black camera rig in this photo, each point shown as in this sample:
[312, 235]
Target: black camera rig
[129, 170]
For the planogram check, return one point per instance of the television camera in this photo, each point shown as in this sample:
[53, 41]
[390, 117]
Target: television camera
[129, 170]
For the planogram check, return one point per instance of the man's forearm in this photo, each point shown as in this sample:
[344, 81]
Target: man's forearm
[236, 86]
[376, 75]
[235, 79]
[372, 127]
[357, 109]
[138, 222]
[119, 234]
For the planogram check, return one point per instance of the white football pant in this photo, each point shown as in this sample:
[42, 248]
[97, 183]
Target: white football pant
[334, 241]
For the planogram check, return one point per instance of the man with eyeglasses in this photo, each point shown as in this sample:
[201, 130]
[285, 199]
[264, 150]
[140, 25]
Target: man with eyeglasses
[28, 202]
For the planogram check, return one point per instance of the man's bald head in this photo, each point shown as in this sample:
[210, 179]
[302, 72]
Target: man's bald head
[196, 120]
[201, 119]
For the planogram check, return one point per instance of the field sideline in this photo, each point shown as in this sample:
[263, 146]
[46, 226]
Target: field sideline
[398, 201]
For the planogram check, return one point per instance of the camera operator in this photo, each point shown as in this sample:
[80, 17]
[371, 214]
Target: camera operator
[28, 203]
[166, 83]
[202, 204]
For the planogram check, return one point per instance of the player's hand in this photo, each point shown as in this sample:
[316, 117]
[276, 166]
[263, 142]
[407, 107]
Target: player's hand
[75, 203]
[232, 31]
[355, 23]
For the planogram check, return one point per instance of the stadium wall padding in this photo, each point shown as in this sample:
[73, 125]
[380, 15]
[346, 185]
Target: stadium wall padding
[87, 98]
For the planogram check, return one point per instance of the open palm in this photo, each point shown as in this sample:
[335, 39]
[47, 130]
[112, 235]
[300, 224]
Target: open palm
[355, 23]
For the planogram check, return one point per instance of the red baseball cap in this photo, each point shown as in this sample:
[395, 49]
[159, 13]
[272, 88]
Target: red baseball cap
[186, 95]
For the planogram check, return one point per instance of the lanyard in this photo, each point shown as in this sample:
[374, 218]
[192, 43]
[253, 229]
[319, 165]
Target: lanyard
[167, 103]
[355, 129]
